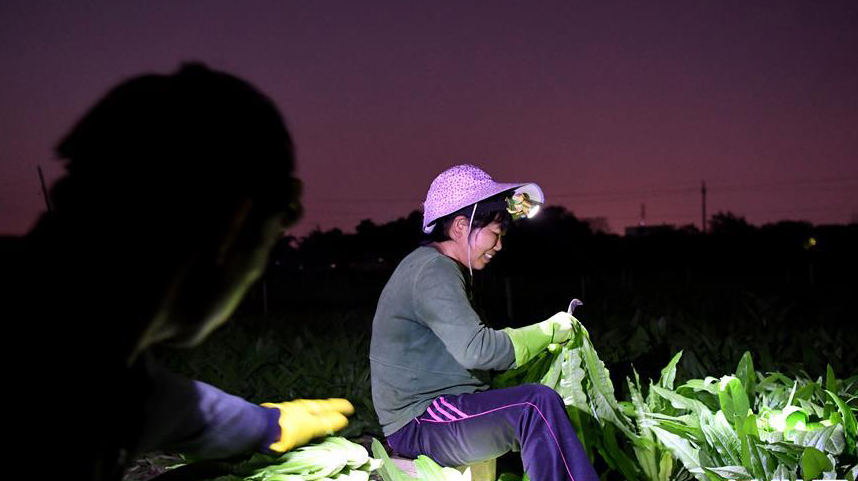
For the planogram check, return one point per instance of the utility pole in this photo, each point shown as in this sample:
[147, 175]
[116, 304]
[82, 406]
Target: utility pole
[703, 198]
[44, 189]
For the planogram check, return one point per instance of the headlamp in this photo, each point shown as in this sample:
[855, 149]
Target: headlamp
[521, 205]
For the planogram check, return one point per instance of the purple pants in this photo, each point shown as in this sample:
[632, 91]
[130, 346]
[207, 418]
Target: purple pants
[464, 429]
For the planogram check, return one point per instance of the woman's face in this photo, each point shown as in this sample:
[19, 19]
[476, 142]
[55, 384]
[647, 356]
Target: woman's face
[485, 243]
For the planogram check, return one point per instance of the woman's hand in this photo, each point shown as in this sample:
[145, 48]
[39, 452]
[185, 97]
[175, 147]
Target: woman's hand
[304, 419]
[559, 326]
[529, 341]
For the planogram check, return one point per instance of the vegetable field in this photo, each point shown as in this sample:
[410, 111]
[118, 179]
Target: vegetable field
[678, 421]
[742, 425]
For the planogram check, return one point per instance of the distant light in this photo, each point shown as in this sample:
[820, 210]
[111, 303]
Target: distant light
[333, 266]
[532, 212]
[810, 243]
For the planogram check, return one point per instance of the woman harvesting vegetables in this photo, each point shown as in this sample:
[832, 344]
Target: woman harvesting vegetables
[428, 343]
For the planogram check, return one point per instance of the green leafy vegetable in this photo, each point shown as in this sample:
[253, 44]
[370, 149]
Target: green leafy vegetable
[813, 463]
[850, 425]
[333, 458]
[740, 426]
[388, 470]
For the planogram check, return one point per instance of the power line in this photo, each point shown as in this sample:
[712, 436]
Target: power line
[662, 192]
[626, 193]
[789, 183]
[673, 204]
[619, 195]
[364, 201]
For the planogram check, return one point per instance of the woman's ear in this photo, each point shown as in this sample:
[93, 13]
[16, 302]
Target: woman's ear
[459, 227]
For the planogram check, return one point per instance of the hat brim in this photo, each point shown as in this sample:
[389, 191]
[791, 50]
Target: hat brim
[531, 189]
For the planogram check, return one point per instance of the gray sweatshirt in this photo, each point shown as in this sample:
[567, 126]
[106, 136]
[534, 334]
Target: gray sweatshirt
[427, 341]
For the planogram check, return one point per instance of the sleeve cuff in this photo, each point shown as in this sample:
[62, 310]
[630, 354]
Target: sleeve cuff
[272, 431]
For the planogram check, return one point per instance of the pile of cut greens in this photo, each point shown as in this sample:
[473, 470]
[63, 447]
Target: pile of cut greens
[330, 459]
[741, 426]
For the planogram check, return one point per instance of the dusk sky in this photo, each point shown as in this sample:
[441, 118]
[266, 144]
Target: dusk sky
[607, 105]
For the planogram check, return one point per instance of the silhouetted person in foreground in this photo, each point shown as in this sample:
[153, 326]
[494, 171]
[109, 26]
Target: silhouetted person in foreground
[177, 187]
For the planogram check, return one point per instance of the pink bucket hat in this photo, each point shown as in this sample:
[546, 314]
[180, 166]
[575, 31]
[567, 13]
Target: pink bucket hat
[463, 185]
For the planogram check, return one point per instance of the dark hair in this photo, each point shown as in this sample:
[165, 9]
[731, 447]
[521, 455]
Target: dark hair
[169, 156]
[160, 172]
[196, 136]
[492, 209]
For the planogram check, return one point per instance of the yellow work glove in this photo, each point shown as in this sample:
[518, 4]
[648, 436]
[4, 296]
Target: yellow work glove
[304, 419]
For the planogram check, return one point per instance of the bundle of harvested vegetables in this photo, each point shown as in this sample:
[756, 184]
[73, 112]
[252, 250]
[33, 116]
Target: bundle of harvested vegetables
[332, 458]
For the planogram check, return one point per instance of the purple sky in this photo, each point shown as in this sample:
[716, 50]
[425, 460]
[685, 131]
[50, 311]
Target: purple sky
[606, 105]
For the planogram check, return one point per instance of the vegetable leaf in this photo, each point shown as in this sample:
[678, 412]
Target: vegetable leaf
[680, 447]
[679, 401]
[746, 374]
[720, 434]
[813, 463]
[668, 374]
[850, 425]
[388, 470]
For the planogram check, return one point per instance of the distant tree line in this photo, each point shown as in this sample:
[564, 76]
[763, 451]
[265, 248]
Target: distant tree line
[549, 259]
[740, 287]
